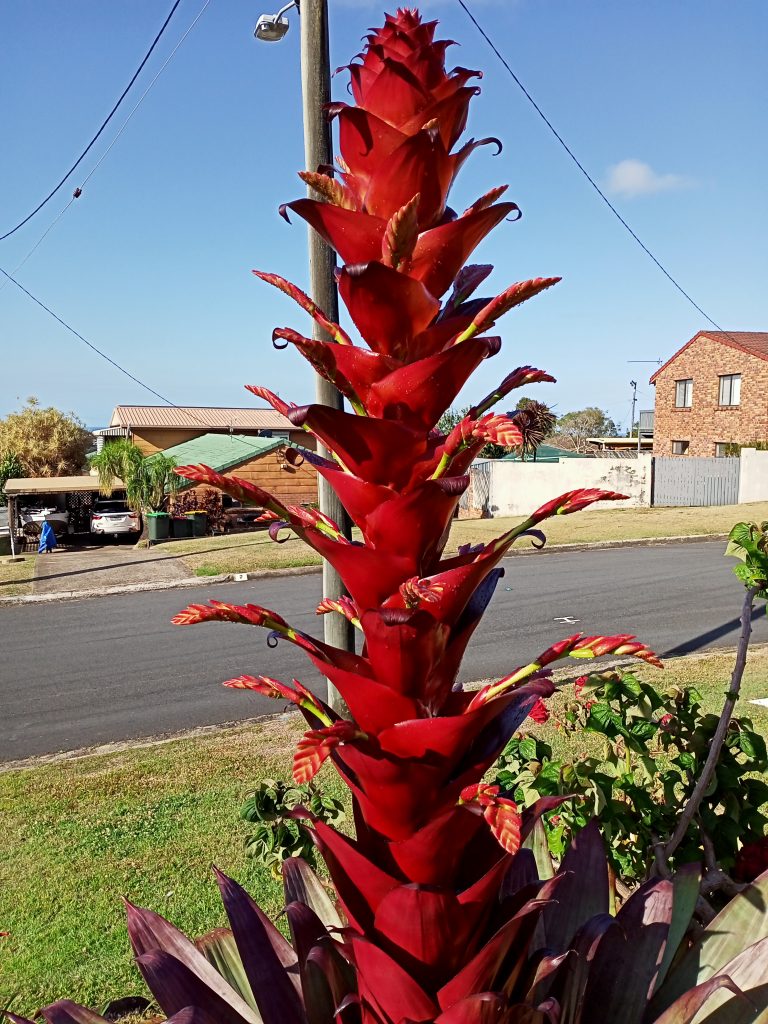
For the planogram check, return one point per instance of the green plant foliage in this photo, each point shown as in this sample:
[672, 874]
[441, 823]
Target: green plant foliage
[10, 468]
[748, 542]
[149, 480]
[278, 835]
[654, 746]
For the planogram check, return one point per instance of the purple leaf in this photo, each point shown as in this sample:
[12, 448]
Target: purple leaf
[267, 956]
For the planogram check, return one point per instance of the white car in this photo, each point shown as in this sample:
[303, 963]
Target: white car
[112, 518]
[44, 514]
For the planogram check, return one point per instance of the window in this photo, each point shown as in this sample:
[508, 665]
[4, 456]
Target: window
[721, 449]
[730, 389]
[683, 393]
[680, 447]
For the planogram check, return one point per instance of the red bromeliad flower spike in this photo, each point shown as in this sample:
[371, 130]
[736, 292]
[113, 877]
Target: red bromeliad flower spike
[428, 933]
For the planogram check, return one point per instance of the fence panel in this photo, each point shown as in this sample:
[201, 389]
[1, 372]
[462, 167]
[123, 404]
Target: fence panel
[695, 481]
[476, 499]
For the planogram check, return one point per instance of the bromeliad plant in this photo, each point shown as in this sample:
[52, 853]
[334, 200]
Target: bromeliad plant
[441, 908]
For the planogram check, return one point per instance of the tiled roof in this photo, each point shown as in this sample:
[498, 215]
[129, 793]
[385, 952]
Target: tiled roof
[753, 342]
[222, 451]
[191, 416]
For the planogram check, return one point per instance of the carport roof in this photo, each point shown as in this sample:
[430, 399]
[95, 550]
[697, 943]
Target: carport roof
[54, 484]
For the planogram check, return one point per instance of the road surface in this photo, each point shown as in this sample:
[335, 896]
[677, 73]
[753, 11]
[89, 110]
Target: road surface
[78, 673]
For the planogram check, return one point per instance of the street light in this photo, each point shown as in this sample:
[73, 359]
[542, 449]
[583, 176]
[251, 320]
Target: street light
[318, 152]
[271, 28]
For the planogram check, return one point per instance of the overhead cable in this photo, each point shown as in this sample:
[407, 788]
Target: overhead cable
[104, 124]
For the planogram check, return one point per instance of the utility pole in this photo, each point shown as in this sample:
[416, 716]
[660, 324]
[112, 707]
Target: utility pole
[633, 385]
[316, 92]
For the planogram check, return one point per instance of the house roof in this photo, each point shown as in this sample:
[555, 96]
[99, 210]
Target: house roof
[755, 343]
[544, 453]
[222, 451]
[54, 485]
[192, 416]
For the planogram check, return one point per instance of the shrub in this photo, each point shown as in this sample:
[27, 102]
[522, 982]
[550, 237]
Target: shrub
[279, 834]
[654, 748]
[209, 502]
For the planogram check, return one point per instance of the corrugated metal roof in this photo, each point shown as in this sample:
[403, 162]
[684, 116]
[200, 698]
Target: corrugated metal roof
[222, 451]
[54, 484]
[192, 416]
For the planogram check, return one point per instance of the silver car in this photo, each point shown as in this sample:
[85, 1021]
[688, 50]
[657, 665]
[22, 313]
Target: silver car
[113, 518]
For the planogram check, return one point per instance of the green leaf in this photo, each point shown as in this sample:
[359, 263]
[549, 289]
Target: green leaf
[723, 939]
[302, 885]
[220, 950]
[536, 841]
[528, 749]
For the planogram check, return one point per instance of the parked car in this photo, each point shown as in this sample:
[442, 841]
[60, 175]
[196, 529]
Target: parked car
[45, 514]
[113, 518]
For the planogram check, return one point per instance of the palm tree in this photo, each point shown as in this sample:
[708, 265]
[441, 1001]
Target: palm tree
[149, 480]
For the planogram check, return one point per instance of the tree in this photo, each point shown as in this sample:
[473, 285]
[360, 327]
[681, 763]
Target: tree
[573, 428]
[47, 442]
[149, 479]
[536, 421]
[10, 467]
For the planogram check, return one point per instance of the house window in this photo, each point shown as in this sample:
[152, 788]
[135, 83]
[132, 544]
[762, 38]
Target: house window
[680, 447]
[683, 393]
[730, 389]
[725, 448]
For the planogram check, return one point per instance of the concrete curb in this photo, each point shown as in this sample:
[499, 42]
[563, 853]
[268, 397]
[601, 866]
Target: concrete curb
[308, 570]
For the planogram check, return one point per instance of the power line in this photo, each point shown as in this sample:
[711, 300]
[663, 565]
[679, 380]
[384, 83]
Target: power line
[109, 359]
[85, 341]
[104, 124]
[140, 100]
[583, 170]
[40, 240]
[78, 191]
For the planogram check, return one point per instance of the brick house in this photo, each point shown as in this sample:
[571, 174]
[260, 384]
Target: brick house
[712, 392]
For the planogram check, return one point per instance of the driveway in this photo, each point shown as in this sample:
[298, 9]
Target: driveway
[73, 570]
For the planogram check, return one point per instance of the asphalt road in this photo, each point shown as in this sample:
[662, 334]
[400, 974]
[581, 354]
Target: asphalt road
[78, 673]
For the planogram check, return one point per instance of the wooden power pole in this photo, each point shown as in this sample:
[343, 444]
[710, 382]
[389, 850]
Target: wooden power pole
[316, 92]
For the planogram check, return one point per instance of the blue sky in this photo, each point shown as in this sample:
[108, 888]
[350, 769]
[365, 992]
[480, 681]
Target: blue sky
[664, 103]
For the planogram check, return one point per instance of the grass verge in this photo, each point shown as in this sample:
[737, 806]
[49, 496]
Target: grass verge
[251, 552]
[147, 822]
[16, 577]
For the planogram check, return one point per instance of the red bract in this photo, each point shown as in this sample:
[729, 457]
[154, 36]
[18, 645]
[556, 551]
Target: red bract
[420, 881]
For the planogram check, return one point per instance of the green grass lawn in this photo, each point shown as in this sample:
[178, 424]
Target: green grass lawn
[16, 577]
[251, 552]
[147, 823]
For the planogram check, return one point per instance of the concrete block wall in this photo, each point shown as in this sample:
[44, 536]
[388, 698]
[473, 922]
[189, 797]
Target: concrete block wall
[518, 488]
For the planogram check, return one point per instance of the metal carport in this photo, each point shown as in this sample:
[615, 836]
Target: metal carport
[34, 486]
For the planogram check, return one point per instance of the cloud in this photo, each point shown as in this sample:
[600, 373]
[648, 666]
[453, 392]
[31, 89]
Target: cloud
[632, 178]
